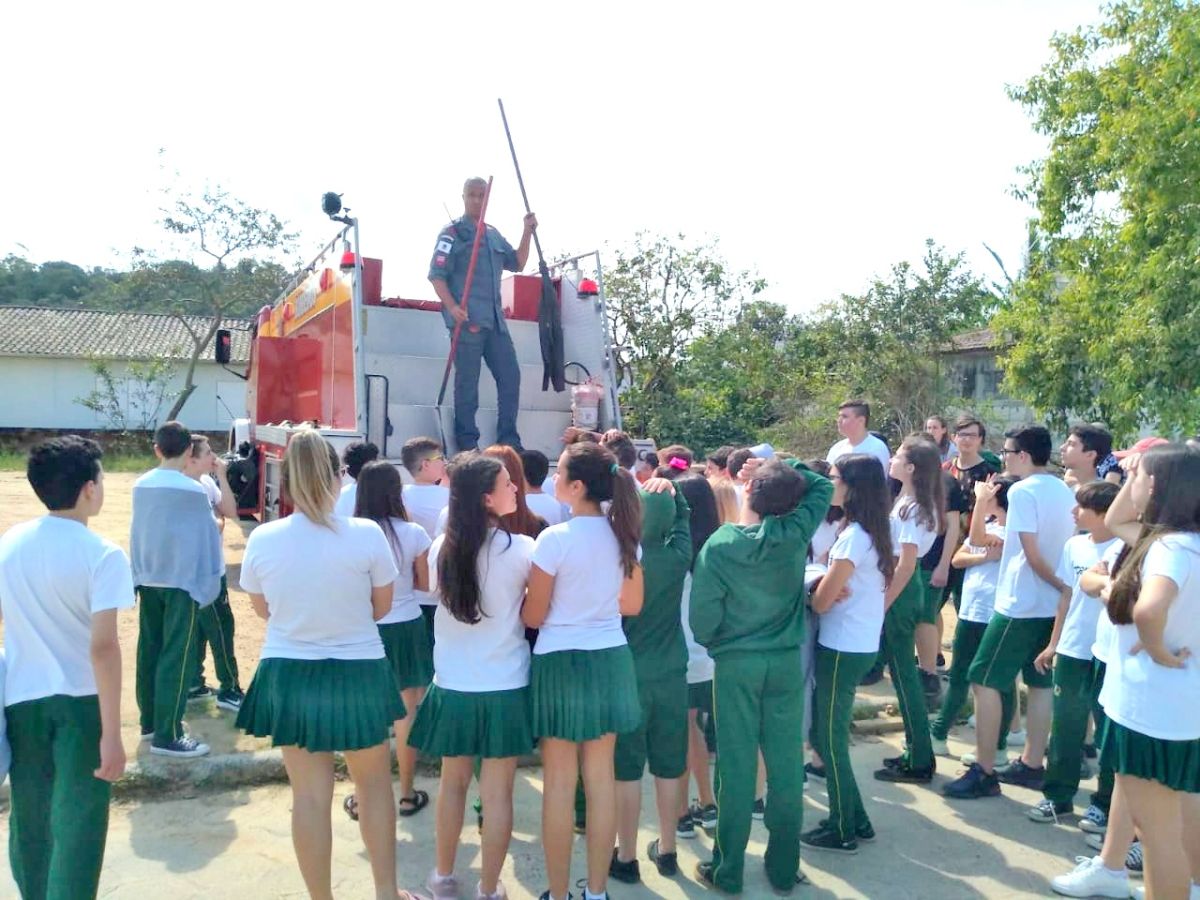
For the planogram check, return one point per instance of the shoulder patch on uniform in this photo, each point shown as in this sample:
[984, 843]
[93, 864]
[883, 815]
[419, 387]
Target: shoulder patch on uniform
[445, 242]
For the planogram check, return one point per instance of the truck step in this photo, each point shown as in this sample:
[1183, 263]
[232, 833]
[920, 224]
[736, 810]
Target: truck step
[540, 429]
[415, 380]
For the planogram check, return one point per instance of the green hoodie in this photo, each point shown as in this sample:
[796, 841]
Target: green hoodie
[748, 583]
[656, 635]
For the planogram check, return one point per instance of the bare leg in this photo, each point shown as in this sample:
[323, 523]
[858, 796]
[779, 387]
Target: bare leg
[1191, 833]
[1119, 836]
[928, 641]
[697, 765]
[760, 780]
[406, 756]
[629, 811]
[371, 770]
[666, 795]
[1015, 724]
[988, 710]
[1158, 817]
[496, 791]
[311, 778]
[1038, 712]
[599, 784]
[451, 801]
[560, 771]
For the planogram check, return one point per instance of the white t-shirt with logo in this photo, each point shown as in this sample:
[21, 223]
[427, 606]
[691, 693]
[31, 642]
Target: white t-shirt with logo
[346, 500]
[317, 582]
[585, 612]
[548, 508]
[871, 445]
[1139, 693]
[1040, 505]
[979, 583]
[411, 542]
[852, 625]
[700, 665]
[424, 503]
[492, 654]
[55, 574]
[1083, 615]
[1106, 631]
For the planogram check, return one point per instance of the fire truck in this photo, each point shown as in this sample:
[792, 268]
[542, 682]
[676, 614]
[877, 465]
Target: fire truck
[331, 352]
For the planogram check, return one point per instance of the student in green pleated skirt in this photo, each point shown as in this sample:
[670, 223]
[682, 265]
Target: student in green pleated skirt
[379, 497]
[585, 576]
[1151, 693]
[323, 683]
[915, 523]
[478, 704]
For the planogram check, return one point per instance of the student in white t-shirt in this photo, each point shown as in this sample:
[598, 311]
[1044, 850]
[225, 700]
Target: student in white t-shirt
[355, 456]
[380, 498]
[536, 467]
[323, 683]
[425, 499]
[478, 704]
[60, 588]
[585, 576]
[1151, 692]
[915, 521]
[849, 602]
[854, 416]
[1070, 652]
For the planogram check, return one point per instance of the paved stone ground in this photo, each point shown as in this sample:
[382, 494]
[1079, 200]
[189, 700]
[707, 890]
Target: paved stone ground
[236, 843]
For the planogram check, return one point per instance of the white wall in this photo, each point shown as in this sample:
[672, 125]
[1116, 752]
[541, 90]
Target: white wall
[37, 392]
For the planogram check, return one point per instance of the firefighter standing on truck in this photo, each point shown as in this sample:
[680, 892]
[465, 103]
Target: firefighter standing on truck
[484, 334]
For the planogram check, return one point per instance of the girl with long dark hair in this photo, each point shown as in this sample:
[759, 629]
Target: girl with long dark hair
[522, 520]
[478, 704]
[380, 498]
[585, 576]
[915, 522]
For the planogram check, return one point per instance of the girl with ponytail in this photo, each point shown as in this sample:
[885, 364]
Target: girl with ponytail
[585, 575]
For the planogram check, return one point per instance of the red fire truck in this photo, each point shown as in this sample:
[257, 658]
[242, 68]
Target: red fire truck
[332, 352]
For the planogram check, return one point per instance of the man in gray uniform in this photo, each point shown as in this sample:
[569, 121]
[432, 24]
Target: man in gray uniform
[484, 334]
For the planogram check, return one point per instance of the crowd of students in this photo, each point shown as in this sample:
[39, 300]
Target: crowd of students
[636, 611]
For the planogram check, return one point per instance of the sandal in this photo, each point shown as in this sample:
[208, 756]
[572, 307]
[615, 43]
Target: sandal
[351, 807]
[410, 806]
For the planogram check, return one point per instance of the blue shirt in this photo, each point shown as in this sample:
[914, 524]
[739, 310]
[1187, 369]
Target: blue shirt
[452, 256]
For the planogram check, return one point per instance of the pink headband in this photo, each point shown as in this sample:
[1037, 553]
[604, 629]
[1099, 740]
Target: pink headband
[678, 463]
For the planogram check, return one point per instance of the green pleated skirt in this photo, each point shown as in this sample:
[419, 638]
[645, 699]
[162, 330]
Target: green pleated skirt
[580, 695]
[489, 724]
[1175, 764]
[322, 705]
[408, 652]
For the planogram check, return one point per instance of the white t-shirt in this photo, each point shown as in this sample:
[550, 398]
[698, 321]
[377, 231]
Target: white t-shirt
[1079, 626]
[1140, 694]
[585, 611]
[548, 508]
[346, 500]
[492, 654]
[823, 540]
[54, 575]
[852, 625]
[871, 445]
[424, 503]
[911, 531]
[700, 665]
[214, 500]
[1106, 631]
[412, 541]
[318, 583]
[979, 583]
[1041, 505]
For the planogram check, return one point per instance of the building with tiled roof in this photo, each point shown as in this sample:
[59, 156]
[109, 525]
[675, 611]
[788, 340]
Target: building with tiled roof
[47, 359]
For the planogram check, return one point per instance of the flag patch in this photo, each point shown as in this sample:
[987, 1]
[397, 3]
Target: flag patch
[443, 245]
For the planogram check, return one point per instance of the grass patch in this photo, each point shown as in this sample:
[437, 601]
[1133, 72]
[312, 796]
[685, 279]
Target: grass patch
[135, 462]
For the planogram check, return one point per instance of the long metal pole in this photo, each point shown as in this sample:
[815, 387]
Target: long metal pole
[480, 227]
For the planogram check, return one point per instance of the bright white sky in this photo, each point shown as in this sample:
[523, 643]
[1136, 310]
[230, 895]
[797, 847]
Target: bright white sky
[820, 144]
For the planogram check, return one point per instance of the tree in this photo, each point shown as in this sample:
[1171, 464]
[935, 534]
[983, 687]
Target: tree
[134, 401]
[227, 233]
[661, 295]
[1104, 322]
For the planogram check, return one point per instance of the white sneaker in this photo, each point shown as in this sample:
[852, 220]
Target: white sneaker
[1016, 738]
[940, 748]
[971, 720]
[1090, 879]
[1095, 841]
[442, 887]
[968, 759]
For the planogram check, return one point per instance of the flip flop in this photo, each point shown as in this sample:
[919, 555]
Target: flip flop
[350, 805]
[410, 806]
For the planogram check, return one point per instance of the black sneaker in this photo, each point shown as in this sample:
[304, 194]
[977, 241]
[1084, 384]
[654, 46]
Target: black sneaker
[545, 895]
[864, 833]
[895, 762]
[666, 863]
[685, 827]
[874, 676]
[931, 684]
[231, 699]
[760, 809]
[200, 692]
[704, 874]
[975, 783]
[184, 747]
[941, 663]
[828, 839]
[1089, 751]
[626, 872]
[906, 774]
[1022, 775]
[704, 816]
[815, 772]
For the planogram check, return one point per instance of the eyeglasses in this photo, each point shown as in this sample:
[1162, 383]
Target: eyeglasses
[1005, 451]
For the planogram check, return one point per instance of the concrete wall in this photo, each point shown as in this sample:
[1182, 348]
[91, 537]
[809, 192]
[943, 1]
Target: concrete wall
[41, 393]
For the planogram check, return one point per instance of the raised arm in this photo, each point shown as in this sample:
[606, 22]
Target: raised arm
[797, 528]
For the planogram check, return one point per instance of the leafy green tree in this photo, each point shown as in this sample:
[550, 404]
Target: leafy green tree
[1105, 322]
[130, 400]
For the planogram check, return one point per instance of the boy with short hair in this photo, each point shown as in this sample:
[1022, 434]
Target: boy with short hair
[60, 588]
[1070, 651]
[178, 561]
[1086, 447]
[853, 419]
[356, 455]
[716, 465]
[1039, 523]
[425, 499]
[747, 609]
[537, 467]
